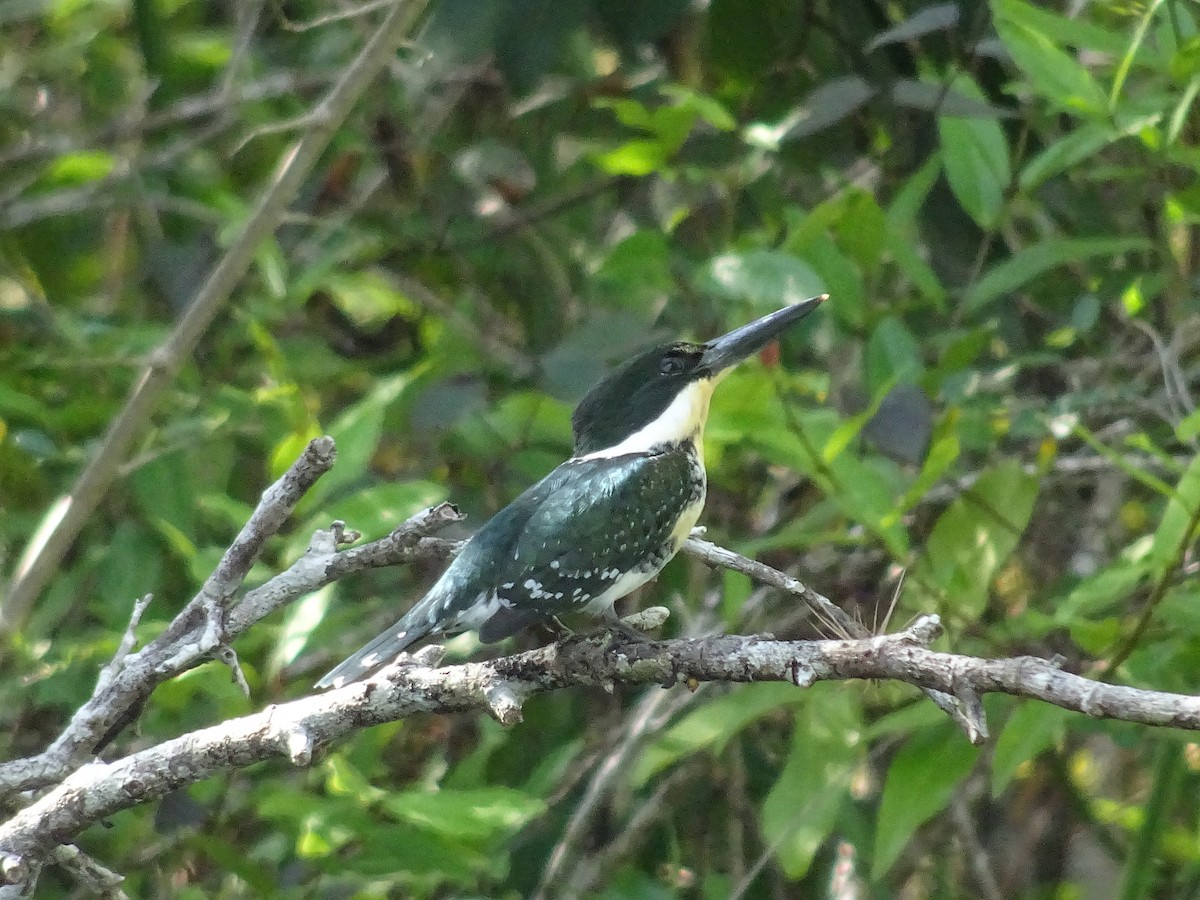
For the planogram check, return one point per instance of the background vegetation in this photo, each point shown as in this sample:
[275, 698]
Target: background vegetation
[1002, 200]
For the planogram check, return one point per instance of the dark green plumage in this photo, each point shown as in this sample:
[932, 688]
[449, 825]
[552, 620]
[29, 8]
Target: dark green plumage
[601, 524]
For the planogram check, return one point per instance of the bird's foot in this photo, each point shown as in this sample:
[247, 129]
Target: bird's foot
[627, 634]
[632, 629]
[556, 627]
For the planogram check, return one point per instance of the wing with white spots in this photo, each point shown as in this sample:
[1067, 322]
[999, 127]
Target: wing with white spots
[586, 534]
[607, 526]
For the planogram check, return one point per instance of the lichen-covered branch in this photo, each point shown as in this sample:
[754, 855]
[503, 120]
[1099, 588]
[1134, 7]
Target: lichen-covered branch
[303, 728]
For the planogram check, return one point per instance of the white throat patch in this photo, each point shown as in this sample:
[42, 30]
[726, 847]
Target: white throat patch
[681, 421]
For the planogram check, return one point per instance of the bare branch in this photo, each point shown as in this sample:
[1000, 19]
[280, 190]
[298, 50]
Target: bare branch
[130, 678]
[303, 727]
[967, 715]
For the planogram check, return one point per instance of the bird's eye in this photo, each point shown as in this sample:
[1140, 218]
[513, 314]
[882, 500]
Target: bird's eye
[670, 365]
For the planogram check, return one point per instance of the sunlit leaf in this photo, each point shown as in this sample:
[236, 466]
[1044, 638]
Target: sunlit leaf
[976, 160]
[1030, 262]
[920, 782]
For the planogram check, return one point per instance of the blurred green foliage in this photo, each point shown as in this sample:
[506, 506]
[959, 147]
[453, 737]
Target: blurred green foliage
[1002, 200]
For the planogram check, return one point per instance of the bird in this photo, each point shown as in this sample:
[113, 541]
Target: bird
[605, 521]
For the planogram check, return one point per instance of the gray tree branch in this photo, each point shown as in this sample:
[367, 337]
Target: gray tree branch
[300, 730]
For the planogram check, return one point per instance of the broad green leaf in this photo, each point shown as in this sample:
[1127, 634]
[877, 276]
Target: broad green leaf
[915, 717]
[922, 275]
[473, 816]
[636, 272]
[943, 452]
[1032, 261]
[768, 278]
[712, 725]
[939, 17]
[1189, 428]
[299, 622]
[803, 804]
[79, 168]
[893, 355]
[1179, 520]
[164, 490]
[707, 108]
[902, 236]
[1078, 144]
[975, 535]
[920, 782]
[377, 509]
[356, 432]
[1099, 593]
[847, 432]
[1050, 71]
[745, 409]
[344, 780]
[129, 569]
[906, 205]
[1079, 31]
[639, 157]
[976, 160]
[866, 497]
[1032, 728]
[862, 229]
[842, 278]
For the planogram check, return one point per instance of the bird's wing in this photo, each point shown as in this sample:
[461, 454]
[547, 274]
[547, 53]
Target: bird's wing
[591, 522]
[557, 546]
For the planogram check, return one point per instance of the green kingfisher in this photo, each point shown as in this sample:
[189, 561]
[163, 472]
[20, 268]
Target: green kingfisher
[604, 522]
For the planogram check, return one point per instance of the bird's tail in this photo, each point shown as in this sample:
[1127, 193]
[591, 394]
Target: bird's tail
[380, 651]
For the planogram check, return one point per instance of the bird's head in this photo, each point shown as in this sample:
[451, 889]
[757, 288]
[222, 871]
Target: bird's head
[660, 397]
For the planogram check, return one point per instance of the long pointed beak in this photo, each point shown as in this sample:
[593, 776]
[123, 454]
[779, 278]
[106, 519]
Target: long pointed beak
[725, 352]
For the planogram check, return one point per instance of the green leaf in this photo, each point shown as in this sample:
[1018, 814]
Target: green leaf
[1143, 865]
[975, 535]
[1032, 728]
[938, 17]
[1101, 592]
[636, 272]
[943, 452]
[862, 229]
[1032, 261]
[920, 782]
[163, 488]
[843, 279]
[474, 816]
[638, 157]
[711, 726]
[79, 168]
[706, 108]
[976, 161]
[1065, 152]
[129, 569]
[300, 621]
[1050, 72]
[1077, 31]
[893, 355]
[765, 277]
[1178, 523]
[800, 811]
[357, 432]
[902, 236]
[377, 509]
